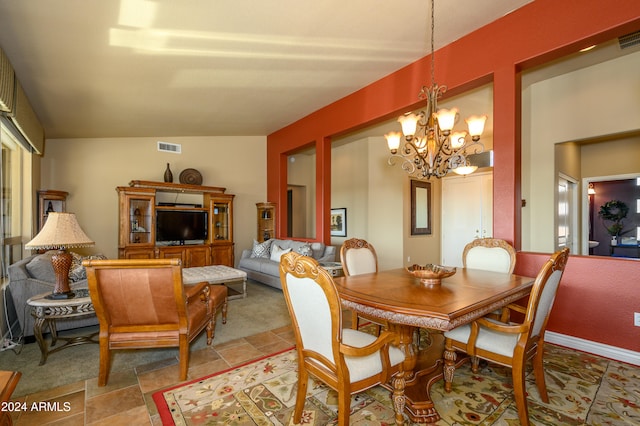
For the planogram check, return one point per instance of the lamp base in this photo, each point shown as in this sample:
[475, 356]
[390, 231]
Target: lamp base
[59, 296]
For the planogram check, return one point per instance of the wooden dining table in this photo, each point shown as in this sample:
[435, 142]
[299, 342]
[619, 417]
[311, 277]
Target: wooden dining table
[409, 305]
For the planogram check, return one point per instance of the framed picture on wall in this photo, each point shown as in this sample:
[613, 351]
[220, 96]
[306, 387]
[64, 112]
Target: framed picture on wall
[338, 222]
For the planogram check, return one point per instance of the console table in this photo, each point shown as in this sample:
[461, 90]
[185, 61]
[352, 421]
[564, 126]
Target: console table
[48, 311]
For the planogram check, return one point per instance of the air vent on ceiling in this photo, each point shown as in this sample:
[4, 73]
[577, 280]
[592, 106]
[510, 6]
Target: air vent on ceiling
[629, 40]
[173, 148]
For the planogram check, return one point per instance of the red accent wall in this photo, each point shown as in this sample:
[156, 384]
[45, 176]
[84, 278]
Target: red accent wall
[532, 35]
[596, 298]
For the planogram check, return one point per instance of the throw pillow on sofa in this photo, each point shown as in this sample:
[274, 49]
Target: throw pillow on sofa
[77, 272]
[277, 252]
[261, 249]
[304, 249]
[40, 267]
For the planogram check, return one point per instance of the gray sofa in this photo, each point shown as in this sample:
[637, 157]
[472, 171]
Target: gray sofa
[34, 275]
[257, 263]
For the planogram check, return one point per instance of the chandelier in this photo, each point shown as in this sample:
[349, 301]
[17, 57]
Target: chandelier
[431, 147]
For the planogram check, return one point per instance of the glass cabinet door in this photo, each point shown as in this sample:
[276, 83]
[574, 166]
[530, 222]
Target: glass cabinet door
[140, 221]
[221, 221]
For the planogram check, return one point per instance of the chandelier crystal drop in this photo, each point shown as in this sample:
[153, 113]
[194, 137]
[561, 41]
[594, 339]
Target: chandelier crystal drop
[428, 146]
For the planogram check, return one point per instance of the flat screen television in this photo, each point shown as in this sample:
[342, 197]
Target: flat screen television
[181, 226]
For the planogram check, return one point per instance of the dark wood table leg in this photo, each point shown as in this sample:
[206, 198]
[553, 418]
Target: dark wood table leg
[37, 332]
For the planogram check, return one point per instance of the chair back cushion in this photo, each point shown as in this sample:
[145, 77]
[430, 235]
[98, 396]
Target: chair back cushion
[547, 298]
[152, 288]
[312, 314]
[544, 291]
[358, 257]
[489, 254]
[360, 261]
[488, 259]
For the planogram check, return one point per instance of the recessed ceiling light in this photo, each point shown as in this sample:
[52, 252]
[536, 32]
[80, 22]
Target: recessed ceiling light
[586, 49]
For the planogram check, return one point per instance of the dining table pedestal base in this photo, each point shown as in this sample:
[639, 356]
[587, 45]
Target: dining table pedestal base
[423, 367]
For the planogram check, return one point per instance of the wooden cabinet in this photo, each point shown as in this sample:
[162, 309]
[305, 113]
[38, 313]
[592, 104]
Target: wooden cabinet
[191, 256]
[221, 226]
[50, 201]
[266, 221]
[138, 207]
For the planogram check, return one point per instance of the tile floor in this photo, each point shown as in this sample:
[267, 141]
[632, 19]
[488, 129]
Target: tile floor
[127, 398]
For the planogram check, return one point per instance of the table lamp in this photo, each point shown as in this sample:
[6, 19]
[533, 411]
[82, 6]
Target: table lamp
[61, 231]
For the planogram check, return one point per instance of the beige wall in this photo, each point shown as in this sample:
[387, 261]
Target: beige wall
[91, 169]
[592, 102]
[377, 200]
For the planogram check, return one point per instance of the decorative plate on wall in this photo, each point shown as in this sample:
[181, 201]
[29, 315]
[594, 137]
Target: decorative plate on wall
[191, 177]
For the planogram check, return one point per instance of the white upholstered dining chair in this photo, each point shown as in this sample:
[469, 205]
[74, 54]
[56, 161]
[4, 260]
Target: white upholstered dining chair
[512, 344]
[348, 361]
[359, 257]
[489, 254]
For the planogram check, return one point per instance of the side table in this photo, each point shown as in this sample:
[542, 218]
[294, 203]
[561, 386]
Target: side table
[334, 268]
[48, 311]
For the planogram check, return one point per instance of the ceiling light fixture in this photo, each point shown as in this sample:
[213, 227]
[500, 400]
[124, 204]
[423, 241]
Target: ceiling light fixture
[430, 147]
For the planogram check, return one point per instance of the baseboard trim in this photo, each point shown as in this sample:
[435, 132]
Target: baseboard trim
[612, 352]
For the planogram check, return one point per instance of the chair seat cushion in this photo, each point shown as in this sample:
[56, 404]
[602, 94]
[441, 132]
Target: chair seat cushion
[363, 367]
[489, 340]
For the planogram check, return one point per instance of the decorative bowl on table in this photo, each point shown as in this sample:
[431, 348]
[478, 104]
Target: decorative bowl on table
[430, 274]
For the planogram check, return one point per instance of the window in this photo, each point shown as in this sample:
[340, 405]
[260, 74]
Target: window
[14, 182]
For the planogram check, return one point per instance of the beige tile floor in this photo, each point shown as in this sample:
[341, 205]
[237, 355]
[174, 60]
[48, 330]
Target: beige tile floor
[127, 398]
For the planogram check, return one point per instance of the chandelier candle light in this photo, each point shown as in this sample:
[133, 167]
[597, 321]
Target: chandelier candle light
[60, 231]
[431, 148]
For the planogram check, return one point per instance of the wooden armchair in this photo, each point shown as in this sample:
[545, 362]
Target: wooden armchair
[143, 304]
[359, 257]
[512, 345]
[348, 361]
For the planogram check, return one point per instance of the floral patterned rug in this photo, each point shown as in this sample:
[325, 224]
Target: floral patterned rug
[583, 389]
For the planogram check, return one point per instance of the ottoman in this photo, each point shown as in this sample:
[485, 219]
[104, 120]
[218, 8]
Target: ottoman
[217, 274]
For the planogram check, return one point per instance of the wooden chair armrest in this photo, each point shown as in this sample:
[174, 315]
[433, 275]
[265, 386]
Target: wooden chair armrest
[501, 327]
[385, 338]
[197, 291]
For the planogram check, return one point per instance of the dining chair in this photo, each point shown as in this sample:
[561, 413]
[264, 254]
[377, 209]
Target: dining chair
[142, 303]
[512, 344]
[490, 254]
[348, 361]
[359, 257]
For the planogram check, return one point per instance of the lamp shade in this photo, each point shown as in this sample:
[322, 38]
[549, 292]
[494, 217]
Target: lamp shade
[61, 230]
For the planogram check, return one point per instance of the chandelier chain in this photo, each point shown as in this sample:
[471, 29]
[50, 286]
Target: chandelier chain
[430, 147]
[433, 28]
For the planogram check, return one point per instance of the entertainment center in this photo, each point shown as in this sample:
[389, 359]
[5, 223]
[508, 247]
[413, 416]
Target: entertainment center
[198, 229]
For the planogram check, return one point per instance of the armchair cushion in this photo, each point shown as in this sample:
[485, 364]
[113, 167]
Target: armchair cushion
[490, 340]
[362, 367]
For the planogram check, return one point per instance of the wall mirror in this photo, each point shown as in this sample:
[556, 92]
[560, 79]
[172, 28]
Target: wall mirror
[420, 207]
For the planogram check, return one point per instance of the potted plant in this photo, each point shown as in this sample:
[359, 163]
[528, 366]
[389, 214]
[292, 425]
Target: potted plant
[612, 213]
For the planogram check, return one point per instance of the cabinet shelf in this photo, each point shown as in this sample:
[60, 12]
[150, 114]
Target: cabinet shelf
[266, 220]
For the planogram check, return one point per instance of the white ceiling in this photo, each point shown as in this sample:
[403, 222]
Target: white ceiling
[126, 68]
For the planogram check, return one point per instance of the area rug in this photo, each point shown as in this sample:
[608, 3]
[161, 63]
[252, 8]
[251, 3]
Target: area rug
[583, 389]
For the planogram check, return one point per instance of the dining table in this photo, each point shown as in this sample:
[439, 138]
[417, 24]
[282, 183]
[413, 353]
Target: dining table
[408, 305]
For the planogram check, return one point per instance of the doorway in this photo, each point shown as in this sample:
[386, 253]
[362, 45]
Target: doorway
[567, 214]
